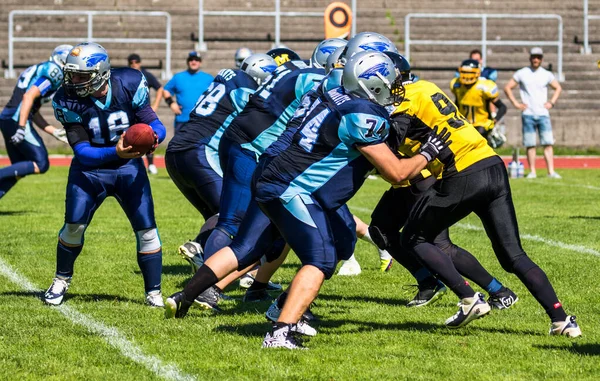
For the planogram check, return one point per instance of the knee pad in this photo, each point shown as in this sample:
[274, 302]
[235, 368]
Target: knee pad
[148, 240]
[43, 166]
[72, 234]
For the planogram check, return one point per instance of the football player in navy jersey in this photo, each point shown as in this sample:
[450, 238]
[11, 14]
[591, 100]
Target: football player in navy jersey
[25, 148]
[341, 139]
[96, 105]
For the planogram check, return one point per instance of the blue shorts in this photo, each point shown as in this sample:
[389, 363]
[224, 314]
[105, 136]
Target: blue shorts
[238, 165]
[196, 179]
[542, 124]
[318, 237]
[88, 187]
[31, 149]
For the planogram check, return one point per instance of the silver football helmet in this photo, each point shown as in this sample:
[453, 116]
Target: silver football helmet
[333, 60]
[87, 69]
[324, 50]
[259, 66]
[373, 76]
[367, 42]
[59, 54]
[241, 54]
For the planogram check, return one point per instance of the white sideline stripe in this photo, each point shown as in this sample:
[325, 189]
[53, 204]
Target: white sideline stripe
[577, 248]
[592, 187]
[110, 334]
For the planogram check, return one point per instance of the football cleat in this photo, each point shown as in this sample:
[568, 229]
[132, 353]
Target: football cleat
[257, 296]
[177, 306]
[304, 328]
[192, 252]
[502, 299]
[55, 294]
[282, 338]
[350, 267]
[469, 309]
[209, 299]
[385, 265]
[568, 328]
[247, 279]
[427, 295]
[155, 299]
[152, 169]
[274, 311]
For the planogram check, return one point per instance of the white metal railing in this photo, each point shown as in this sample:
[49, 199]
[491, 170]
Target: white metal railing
[277, 14]
[90, 35]
[586, 32]
[484, 42]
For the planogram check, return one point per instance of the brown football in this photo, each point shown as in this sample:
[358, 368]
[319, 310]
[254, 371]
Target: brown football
[140, 136]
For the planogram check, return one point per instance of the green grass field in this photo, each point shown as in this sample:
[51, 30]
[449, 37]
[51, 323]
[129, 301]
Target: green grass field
[104, 331]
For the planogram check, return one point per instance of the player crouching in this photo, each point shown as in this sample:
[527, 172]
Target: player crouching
[96, 105]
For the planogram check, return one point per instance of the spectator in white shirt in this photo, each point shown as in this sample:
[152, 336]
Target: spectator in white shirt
[533, 82]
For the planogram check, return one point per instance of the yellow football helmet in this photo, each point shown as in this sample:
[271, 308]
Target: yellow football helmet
[469, 72]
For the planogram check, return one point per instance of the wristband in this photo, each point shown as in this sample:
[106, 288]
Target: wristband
[552, 103]
[22, 127]
[169, 101]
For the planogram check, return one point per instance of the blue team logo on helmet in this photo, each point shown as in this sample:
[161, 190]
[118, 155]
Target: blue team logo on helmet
[376, 46]
[268, 68]
[381, 68]
[93, 59]
[328, 49]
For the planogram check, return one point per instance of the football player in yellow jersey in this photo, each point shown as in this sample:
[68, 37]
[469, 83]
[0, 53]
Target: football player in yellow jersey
[471, 178]
[474, 95]
[392, 212]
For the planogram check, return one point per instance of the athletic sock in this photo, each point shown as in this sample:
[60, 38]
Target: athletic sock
[540, 287]
[441, 265]
[494, 286]
[151, 267]
[20, 169]
[65, 259]
[367, 238]
[200, 282]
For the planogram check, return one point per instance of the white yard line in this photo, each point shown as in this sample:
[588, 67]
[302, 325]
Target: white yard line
[110, 334]
[567, 246]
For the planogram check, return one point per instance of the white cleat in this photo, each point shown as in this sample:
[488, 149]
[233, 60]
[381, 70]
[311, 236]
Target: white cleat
[57, 290]
[282, 338]
[350, 267]
[155, 299]
[568, 328]
[152, 169]
[469, 309]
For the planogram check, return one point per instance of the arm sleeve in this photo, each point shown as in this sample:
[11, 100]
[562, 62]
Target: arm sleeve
[148, 116]
[40, 121]
[84, 152]
[501, 108]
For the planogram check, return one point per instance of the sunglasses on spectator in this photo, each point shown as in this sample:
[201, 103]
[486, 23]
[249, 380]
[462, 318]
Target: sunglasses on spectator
[538, 56]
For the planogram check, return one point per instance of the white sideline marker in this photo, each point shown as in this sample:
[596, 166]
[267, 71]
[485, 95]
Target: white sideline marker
[577, 248]
[110, 334]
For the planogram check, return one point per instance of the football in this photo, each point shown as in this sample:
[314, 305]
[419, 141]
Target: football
[140, 136]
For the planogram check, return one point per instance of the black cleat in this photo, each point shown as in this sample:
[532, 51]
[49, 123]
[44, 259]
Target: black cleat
[502, 299]
[427, 295]
[257, 296]
[209, 299]
[177, 306]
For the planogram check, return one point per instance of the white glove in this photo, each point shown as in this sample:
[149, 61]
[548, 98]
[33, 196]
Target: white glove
[60, 134]
[18, 137]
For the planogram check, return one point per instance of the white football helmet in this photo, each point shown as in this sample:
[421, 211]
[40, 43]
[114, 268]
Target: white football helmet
[259, 66]
[240, 55]
[59, 54]
[373, 76]
[367, 42]
[324, 50]
[89, 64]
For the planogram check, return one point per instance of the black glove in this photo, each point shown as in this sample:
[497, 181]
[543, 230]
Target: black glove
[436, 143]
[18, 137]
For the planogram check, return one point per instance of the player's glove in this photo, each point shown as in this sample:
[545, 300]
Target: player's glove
[436, 142]
[18, 137]
[60, 134]
[155, 145]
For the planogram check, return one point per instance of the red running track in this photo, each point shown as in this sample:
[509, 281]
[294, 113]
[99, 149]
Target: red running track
[592, 162]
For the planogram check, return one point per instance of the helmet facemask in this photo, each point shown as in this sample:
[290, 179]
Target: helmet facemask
[83, 88]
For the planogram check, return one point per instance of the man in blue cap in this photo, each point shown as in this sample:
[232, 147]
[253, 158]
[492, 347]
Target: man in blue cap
[186, 86]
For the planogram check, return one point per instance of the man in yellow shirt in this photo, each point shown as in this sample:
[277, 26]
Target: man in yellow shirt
[474, 94]
[471, 178]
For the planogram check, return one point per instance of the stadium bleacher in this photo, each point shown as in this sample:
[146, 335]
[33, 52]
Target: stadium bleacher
[572, 119]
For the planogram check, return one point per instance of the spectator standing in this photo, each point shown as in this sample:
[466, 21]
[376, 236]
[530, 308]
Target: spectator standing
[135, 62]
[533, 82]
[186, 86]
